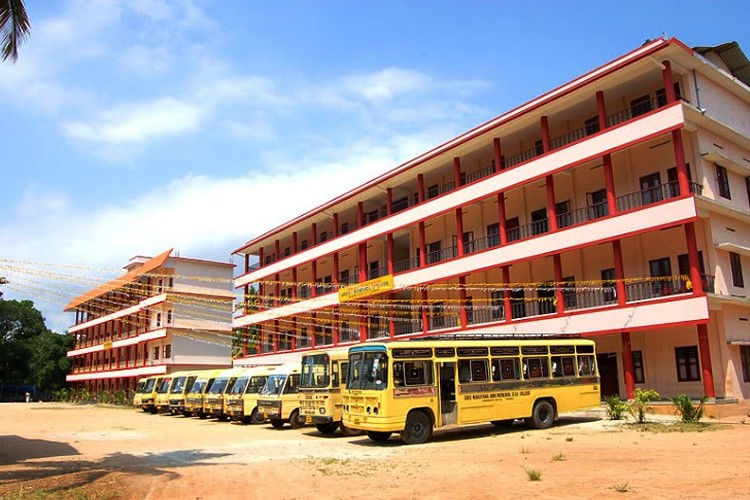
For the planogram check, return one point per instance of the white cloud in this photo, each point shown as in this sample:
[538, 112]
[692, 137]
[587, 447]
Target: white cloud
[137, 123]
[386, 84]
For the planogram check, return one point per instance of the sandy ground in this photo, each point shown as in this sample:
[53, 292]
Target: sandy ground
[50, 450]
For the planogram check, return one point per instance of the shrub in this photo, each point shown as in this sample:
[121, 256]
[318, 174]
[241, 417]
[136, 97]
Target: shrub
[638, 405]
[616, 407]
[534, 474]
[688, 411]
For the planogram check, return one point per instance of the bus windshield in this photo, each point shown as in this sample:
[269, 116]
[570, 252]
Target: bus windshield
[178, 384]
[315, 371]
[218, 386]
[198, 386]
[164, 386]
[368, 370]
[238, 387]
[255, 385]
[274, 385]
[149, 385]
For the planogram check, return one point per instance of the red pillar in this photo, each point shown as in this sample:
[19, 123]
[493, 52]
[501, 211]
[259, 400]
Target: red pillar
[559, 301]
[276, 290]
[705, 355]
[601, 110]
[609, 185]
[335, 269]
[545, 134]
[501, 219]
[619, 273]
[360, 214]
[422, 245]
[457, 171]
[389, 201]
[336, 225]
[692, 247]
[362, 262]
[668, 82]
[463, 314]
[389, 241]
[506, 295]
[314, 279]
[425, 318]
[420, 188]
[247, 262]
[498, 154]
[277, 249]
[627, 364]
[551, 209]
[460, 231]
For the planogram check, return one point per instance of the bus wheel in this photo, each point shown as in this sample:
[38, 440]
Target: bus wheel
[348, 431]
[380, 437]
[256, 417]
[296, 420]
[418, 428]
[503, 424]
[223, 418]
[202, 415]
[186, 413]
[277, 424]
[543, 415]
[327, 429]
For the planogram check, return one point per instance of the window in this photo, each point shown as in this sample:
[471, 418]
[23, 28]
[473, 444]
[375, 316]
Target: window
[735, 263]
[563, 366]
[562, 211]
[687, 363]
[169, 317]
[585, 365]
[661, 268]
[591, 126]
[651, 191]
[539, 221]
[661, 95]
[433, 252]
[497, 300]
[438, 316]
[304, 245]
[493, 233]
[505, 369]
[167, 351]
[722, 178]
[171, 283]
[638, 376]
[160, 287]
[512, 229]
[535, 368]
[156, 352]
[472, 370]
[640, 106]
[597, 204]
[344, 228]
[323, 236]
[745, 360]
[158, 320]
[287, 251]
[539, 147]
[432, 191]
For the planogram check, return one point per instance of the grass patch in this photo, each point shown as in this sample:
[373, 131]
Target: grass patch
[560, 457]
[622, 488]
[524, 451]
[657, 427]
[534, 474]
[569, 439]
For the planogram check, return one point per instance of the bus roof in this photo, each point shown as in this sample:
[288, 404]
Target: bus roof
[427, 342]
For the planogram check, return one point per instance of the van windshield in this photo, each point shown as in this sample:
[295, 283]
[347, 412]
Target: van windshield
[368, 370]
[256, 385]
[177, 385]
[315, 371]
[164, 386]
[274, 385]
[238, 387]
[218, 386]
[198, 386]
[149, 385]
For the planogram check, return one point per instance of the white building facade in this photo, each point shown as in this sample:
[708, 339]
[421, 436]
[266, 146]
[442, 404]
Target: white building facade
[167, 313]
[615, 207]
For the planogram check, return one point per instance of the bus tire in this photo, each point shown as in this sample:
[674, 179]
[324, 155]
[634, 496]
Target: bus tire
[223, 418]
[543, 415]
[379, 437]
[296, 420]
[186, 413]
[327, 429]
[256, 417]
[349, 432]
[202, 415]
[503, 424]
[276, 423]
[418, 428]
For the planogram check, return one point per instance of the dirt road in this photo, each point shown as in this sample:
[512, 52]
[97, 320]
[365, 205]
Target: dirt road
[50, 450]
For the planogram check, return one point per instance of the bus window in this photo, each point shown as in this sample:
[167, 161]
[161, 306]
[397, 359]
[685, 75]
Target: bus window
[563, 366]
[398, 374]
[335, 375]
[418, 372]
[585, 365]
[292, 384]
[505, 369]
[472, 370]
[536, 368]
[368, 370]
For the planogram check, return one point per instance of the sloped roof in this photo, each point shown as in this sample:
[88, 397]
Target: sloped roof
[130, 277]
[733, 57]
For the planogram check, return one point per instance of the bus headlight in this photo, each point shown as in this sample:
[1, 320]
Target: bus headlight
[322, 411]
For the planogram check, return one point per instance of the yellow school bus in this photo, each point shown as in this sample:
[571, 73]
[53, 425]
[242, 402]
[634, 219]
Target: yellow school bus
[279, 398]
[414, 386]
[195, 398]
[215, 400]
[138, 396]
[161, 399]
[182, 382]
[323, 376]
[242, 397]
[148, 394]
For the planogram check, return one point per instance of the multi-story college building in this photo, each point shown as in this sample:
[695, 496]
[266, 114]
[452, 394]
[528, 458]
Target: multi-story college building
[165, 314]
[615, 207]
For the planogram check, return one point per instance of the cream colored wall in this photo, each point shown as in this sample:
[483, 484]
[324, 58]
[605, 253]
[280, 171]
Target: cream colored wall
[200, 348]
[724, 106]
[215, 279]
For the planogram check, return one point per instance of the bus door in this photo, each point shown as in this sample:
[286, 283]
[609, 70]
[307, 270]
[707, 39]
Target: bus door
[448, 406]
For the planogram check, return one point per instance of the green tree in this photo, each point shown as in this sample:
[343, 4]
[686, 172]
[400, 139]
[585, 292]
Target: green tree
[14, 27]
[20, 323]
[49, 361]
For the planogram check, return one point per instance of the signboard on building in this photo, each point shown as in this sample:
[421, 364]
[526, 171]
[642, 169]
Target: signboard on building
[366, 289]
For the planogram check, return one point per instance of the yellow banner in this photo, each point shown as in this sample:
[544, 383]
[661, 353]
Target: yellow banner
[371, 287]
[107, 345]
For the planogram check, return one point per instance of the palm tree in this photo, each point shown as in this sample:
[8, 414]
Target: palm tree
[14, 27]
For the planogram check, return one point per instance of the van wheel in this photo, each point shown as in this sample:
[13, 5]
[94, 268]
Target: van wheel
[348, 431]
[255, 417]
[543, 415]
[202, 415]
[418, 428]
[296, 420]
[327, 429]
[223, 418]
[277, 424]
[379, 437]
[186, 413]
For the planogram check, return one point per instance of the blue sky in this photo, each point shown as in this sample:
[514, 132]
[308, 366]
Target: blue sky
[134, 126]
